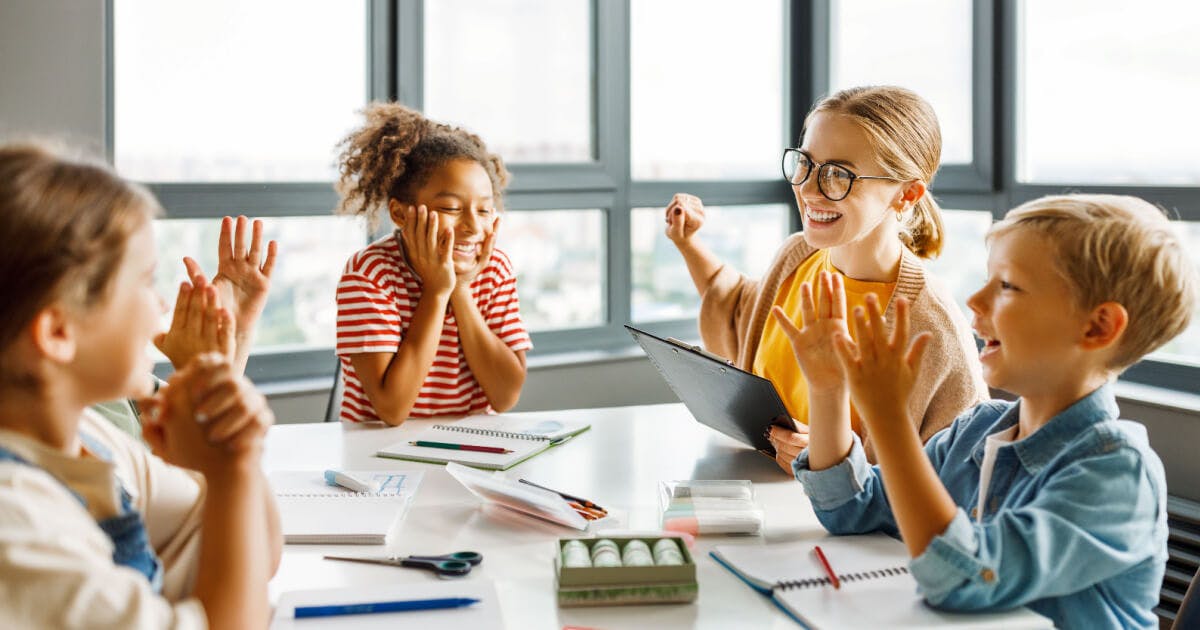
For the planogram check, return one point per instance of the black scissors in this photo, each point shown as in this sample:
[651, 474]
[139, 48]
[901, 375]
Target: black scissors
[456, 564]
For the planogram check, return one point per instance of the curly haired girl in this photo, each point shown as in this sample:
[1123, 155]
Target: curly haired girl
[428, 317]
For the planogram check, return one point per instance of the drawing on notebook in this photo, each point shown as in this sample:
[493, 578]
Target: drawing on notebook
[313, 511]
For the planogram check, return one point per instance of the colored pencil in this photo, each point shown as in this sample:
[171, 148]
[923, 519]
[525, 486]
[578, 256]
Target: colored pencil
[580, 500]
[461, 447]
[828, 569]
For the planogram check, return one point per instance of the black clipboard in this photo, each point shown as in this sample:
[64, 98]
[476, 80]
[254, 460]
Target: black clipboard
[735, 402]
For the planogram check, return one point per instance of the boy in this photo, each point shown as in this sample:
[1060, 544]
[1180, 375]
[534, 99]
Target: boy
[1049, 501]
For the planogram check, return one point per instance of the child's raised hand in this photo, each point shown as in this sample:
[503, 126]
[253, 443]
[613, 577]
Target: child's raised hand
[823, 321]
[685, 215]
[879, 370]
[243, 270]
[429, 249]
[198, 325]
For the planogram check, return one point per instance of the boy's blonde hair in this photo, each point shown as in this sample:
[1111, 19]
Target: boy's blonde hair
[907, 139]
[1117, 248]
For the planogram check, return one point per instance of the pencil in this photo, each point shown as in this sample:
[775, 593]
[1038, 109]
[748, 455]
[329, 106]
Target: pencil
[461, 447]
[580, 500]
[828, 569]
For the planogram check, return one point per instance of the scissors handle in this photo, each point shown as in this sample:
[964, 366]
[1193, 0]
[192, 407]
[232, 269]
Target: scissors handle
[471, 557]
[448, 568]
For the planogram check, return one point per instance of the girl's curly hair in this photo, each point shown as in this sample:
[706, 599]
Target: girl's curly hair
[395, 152]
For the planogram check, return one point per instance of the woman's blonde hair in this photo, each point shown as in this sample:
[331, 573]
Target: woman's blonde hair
[64, 222]
[1117, 248]
[393, 154]
[907, 139]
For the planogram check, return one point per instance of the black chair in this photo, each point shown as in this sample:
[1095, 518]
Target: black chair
[334, 407]
[1188, 617]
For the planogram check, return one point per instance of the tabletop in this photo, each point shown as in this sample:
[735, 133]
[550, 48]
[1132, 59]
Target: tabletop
[618, 463]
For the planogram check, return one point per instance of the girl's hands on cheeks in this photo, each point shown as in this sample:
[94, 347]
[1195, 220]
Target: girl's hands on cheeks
[685, 215]
[881, 371]
[198, 325]
[822, 322]
[429, 249]
[485, 256]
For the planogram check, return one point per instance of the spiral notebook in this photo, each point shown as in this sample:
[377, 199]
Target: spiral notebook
[312, 511]
[876, 591]
[523, 437]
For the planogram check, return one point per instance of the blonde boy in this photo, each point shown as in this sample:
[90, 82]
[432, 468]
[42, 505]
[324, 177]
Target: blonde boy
[1049, 501]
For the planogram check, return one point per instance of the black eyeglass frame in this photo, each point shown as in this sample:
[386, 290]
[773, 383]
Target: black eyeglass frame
[820, 167]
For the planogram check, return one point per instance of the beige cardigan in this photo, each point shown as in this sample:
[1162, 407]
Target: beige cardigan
[735, 308]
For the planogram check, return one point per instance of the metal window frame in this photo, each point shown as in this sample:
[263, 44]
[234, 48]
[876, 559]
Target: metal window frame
[396, 57]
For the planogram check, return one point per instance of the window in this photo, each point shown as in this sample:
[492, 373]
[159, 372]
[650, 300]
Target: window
[962, 267]
[228, 91]
[559, 260]
[745, 237]
[707, 89]
[1186, 347]
[1102, 93]
[923, 45]
[517, 72]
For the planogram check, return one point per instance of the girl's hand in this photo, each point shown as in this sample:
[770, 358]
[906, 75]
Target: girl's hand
[179, 430]
[812, 345]
[485, 256]
[429, 249]
[881, 371]
[243, 274]
[233, 413]
[788, 444]
[685, 215]
[199, 324]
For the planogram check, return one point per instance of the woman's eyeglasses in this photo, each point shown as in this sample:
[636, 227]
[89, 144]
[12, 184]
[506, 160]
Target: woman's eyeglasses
[833, 180]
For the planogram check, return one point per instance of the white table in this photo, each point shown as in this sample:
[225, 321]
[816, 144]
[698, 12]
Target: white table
[618, 464]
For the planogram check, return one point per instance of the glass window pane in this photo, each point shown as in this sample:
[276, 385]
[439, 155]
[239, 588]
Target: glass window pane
[1186, 347]
[923, 45]
[1103, 87]
[962, 267]
[706, 89]
[517, 72]
[301, 312]
[746, 237]
[225, 90]
[559, 259]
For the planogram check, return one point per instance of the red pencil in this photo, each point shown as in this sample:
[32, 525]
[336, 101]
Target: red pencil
[461, 447]
[828, 569]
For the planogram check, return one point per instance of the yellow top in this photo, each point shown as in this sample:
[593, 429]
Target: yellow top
[774, 359]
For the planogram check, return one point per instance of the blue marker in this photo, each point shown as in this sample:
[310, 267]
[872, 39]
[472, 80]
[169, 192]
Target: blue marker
[383, 607]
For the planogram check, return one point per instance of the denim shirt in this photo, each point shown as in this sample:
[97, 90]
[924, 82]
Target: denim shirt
[1074, 526]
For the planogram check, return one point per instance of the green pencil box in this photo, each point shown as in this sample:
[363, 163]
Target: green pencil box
[622, 585]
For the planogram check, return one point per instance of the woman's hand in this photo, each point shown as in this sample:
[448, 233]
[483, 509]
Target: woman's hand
[684, 215]
[881, 371]
[429, 250]
[788, 444]
[822, 322]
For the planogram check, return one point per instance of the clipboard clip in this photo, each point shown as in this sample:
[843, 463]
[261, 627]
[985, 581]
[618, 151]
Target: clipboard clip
[698, 350]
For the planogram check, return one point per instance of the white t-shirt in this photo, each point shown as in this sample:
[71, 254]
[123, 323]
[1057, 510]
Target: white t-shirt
[990, 446]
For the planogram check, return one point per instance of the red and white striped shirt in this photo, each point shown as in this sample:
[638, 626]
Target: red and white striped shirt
[376, 298]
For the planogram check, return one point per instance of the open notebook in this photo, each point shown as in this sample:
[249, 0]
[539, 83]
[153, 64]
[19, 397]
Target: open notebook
[312, 511]
[523, 437]
[484, 615]
[876, 588]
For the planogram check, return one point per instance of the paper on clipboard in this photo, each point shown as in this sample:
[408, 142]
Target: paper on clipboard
[494, 488]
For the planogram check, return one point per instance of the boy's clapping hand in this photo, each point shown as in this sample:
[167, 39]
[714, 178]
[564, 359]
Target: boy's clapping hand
[879, 370]
[822, 322]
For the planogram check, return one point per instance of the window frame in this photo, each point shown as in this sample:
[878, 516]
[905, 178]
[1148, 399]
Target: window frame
[395, 49]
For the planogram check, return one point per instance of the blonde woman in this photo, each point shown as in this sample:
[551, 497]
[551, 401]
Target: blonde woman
[861, 176]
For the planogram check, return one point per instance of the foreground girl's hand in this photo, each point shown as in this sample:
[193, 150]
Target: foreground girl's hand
[684, 215]
[200, 324]
[429, 249]
[881, 371]
[822, 322]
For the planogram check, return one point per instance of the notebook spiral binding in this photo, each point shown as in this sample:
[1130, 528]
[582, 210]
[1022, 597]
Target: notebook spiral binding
[848, 577]
[333, 495]
[491, 432]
